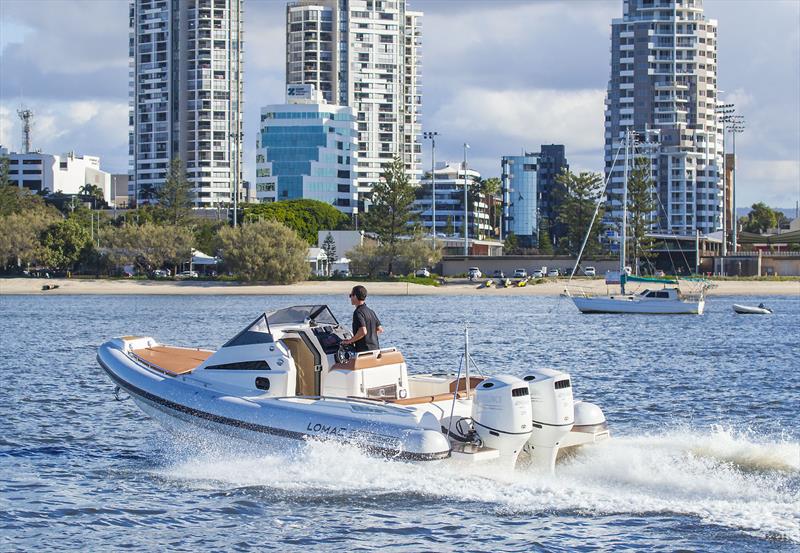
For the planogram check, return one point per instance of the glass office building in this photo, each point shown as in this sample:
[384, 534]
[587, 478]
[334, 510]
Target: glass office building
[520, 195]
[307, 150]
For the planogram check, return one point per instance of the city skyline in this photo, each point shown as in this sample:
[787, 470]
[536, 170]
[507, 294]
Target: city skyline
[520, 75]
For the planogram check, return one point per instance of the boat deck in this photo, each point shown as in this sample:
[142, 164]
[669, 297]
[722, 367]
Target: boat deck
[172, 360]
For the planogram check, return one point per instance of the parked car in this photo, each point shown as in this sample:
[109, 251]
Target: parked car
[474, 273]
[188, 274]
[537, 274]
[552, 273]
[498, 274]
[589, 271]
[161, 273]
[424, 273]
[660, 273]
[520, 273]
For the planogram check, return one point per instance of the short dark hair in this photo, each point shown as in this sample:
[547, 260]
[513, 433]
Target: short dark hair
[359, 292]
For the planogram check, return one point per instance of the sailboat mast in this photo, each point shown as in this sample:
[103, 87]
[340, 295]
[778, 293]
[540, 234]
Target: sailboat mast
[622, 239]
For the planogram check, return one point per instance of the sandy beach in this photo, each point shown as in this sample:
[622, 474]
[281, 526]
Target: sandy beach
[17, 286]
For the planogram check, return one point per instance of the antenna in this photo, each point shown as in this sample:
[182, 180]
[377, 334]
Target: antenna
[27, 122]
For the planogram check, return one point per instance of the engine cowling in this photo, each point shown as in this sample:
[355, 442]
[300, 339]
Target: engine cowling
[552, 413]
[501, 414]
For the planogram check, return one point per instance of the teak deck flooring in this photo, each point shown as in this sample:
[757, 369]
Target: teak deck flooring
[172, 360]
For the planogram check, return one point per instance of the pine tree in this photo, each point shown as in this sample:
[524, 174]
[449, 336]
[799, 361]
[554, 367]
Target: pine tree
[545, 244]
[391, 212]
[581, 194]
[175, 197]
[329, 247]
[641, 205]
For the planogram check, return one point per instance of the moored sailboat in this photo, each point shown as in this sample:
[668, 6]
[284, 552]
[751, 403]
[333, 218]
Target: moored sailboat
[669, 300]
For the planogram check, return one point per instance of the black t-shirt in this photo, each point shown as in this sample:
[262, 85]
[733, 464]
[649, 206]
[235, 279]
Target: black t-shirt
[366, 317]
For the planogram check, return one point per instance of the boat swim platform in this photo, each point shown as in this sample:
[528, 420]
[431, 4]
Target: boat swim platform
[171, 360]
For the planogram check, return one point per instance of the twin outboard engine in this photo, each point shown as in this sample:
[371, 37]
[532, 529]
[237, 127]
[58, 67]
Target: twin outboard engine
[553, 414]
[501, 415]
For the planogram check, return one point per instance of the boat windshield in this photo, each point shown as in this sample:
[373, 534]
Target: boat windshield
[299, 314]
[256, 332]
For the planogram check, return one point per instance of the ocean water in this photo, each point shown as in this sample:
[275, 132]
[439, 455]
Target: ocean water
[703, 410]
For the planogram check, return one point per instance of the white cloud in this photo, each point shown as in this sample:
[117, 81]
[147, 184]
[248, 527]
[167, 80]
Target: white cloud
[775, 182]
[85, 127]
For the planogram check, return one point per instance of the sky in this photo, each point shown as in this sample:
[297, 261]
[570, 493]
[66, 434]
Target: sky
[502, 75]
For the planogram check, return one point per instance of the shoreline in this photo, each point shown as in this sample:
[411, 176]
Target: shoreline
[33, 286]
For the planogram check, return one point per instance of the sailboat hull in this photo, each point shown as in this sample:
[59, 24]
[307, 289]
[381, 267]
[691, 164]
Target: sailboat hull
[635, 304]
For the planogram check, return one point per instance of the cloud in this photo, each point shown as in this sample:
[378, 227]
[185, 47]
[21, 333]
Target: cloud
[504, 122]
[775, 182]
[501, 74]
[85, 127]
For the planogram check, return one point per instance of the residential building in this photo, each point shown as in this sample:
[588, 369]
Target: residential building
[364, 54]
[450, 179]
[186, 96]
[531, 194]
[552, 162]
[67, 173]
[306, 149]
[663, 86]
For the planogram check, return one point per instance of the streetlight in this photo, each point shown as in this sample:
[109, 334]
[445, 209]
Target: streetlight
[736, 127]
[237, 137]
[466, 204]
[431, 135]
[726, 110]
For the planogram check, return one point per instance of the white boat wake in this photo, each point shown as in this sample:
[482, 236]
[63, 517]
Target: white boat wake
[721, 477]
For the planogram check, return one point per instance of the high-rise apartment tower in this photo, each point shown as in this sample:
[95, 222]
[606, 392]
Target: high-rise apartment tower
[663, 85]
[186, 96]
[364, 54]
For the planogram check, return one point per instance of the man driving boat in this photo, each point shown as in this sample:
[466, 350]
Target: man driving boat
[366, 325]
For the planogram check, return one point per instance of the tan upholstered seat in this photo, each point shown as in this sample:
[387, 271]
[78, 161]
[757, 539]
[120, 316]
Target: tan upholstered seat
[369, 359]
[172, 360]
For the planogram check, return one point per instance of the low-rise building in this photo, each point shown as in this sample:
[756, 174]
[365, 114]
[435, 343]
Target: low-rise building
[449, 180]
[67, 173]
[307, 149]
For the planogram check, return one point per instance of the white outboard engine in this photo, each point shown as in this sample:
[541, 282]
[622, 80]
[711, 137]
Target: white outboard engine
[553, 414]
[501, 415]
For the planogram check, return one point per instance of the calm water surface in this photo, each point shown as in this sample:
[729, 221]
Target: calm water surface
[703, 410]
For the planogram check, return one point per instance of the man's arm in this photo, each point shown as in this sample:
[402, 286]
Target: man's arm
[356, 337]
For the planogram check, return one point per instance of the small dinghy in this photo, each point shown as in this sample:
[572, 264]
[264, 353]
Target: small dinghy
[749, 310]
[285, 378]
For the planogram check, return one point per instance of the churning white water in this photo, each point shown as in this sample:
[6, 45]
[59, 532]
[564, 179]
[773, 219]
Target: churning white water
[721, 477]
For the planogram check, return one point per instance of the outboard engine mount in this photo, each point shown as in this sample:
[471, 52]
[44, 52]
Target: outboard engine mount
[553, 414]
[501, 414]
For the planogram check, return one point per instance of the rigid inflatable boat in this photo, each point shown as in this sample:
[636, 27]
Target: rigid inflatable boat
[286, 377]
[750, 310]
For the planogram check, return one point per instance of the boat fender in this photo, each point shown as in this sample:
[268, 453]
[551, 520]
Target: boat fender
[588, 414]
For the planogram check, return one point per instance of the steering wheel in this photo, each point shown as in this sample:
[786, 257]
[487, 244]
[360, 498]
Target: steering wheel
[344, 353]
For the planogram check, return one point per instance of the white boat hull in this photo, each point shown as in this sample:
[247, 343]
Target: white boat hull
[747, 310]
[390, 431]
[635, 304]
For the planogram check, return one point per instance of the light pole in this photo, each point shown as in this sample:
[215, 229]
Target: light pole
[726, 110]
[432, 136]
[466, 204]
[237, 137]
[736, 127]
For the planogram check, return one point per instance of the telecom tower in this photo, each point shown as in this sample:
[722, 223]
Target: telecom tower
[27, 121]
